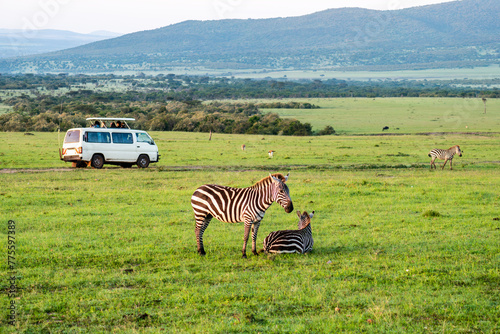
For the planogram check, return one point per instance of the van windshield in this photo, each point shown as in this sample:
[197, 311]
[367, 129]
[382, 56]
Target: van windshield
[144, 138]
[72, 136]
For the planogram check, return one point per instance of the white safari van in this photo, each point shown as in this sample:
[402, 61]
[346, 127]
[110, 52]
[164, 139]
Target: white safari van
[108, 141]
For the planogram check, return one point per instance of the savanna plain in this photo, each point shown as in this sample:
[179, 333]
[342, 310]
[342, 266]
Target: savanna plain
[398, 248]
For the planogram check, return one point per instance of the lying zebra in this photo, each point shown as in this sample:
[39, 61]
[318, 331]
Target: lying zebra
[292, 241]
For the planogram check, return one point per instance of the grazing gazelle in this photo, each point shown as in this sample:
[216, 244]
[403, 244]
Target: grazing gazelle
[270, 153]
[444, 155]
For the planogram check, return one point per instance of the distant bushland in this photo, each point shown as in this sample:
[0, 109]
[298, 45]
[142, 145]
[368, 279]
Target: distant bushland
[198, 104]
[171, 116]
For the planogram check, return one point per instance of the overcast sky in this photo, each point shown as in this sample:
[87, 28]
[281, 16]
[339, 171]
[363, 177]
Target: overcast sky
[125, 16]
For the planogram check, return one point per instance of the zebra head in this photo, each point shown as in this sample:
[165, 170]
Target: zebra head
[305, 219]
[457, 151]
[281, 194]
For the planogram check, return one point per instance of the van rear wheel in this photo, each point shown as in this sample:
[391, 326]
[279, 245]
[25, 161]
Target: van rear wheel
[143, 161]
[97, 161]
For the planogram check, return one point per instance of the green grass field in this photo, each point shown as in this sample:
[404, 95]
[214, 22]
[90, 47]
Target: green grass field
[178, 149]
[401, 115]
[397, 248]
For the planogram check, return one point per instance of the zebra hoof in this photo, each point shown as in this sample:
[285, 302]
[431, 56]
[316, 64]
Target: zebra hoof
[201, 252]
[244, 256]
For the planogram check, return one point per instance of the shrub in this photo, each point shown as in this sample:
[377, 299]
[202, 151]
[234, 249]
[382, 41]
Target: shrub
[431, 213]
[328, 130]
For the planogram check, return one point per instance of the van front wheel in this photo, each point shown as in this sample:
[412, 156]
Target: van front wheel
[97, 161]
[143, 161]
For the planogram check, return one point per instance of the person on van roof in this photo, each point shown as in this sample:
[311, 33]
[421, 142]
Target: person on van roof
[96, 124]
[113, 125]
[119, 124]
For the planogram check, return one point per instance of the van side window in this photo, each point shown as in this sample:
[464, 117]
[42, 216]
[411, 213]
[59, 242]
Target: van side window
[98, 137]
[122, 138]
[144, 138]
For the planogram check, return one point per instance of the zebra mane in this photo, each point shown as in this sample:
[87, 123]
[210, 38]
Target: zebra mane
[267, 180]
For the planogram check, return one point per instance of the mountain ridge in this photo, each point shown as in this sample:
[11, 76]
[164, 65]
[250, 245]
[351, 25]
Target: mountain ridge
[458, 33]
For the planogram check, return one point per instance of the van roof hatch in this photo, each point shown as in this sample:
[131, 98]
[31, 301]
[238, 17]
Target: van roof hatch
[102, 120]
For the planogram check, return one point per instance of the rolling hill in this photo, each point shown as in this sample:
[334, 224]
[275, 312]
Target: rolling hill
[452, 34]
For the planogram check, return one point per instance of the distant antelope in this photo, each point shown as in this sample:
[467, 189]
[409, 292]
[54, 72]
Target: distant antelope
[292, 241]
[243, 147]
[270, 153]
[444, 155]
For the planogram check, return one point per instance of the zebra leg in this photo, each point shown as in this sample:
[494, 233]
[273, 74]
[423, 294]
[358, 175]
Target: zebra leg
[445, 161]
[451, 168]
[248, 226]
[255, 229]
[432, 162]
[201, 225]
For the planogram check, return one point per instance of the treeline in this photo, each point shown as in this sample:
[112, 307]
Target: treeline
[47, 114]
[181, 88]
[287, 105]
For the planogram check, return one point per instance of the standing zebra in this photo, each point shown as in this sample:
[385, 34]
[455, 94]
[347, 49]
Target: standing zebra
[444, 155]
[235, 205]
[292, 241]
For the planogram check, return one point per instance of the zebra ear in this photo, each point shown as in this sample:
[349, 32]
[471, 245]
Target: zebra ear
[299, 214]
[312, 214]
[275, 180]
[286, 177]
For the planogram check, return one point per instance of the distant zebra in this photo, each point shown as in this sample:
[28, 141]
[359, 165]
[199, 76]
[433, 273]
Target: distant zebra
[444, 155]
[292, 241]
[235, 205]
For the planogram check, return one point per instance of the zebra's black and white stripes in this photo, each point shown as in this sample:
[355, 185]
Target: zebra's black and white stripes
[233, 205]
[446, 155]
[292, 241]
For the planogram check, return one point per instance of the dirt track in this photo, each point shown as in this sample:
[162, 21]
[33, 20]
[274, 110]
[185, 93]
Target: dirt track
[33, 170]
[224, 168]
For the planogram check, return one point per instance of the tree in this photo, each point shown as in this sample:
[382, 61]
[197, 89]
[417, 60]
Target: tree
[328, 130]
